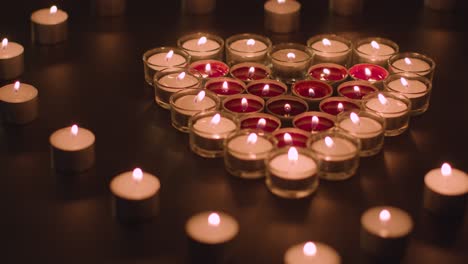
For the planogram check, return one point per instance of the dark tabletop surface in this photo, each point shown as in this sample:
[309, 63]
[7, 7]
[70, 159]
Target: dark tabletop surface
[95, 79]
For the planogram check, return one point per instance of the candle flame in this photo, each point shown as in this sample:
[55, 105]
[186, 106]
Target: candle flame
[310, 249]
[252, 138]
[74, 130]
[281, 1]
[367, 72]
[311, 92]
[326, 42]
[169, 55]
[408, 61]
[266, 89]
[225, 87]
[384, 215]
[357, 89]
[17, 86]
[383, 100]
[287, 108]
[340, 107]
[315, 122]
[326, 71]
[329, 142]
[4, 43]
[251, 71]
[202, 41]
[287, 138]
[250, 42]
[208, 68]
[261, 123]
[291, 55]
[375, 45]
[214, 219]
[137, 175]
[404, 82]
[244, 104]
[354, 118]
[215, 120]
[293, 155]
[200, 96]
[181, 76]
[446, 169]
[53, 10]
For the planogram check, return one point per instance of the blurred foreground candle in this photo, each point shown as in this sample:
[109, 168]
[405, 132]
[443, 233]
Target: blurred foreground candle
[282, 16]
[330, 48]
[158, 59]
[202, 46]
[356, 90]
[11, 60]
[110, 7]
[312, 91]
[416, 88]
[267, 88]
[286, 107]
[171, 80]
[72, 149]
[49, 26]
[291, 137]
[247, 48]
[384, 232]
[445, 191]
[290, 61]
[440, 5]
[250, 71]
[412, 63]
[208, 130]
[19, 103]
[243, 104]
[225, 86]
[198, 7]
[260, 121]
[245, 153]
[292, 172]
[371, 73]
[346, 7]
[311, 253]
[135, 195]
[374, 50]
[314, 122]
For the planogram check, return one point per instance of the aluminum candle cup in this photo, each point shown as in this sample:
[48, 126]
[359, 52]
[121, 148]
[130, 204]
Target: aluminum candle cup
[260, 121]
[286, 107]
[292, 172]
[267, 88]
[158, 59]
[198, 7]
[110, 7]
[282, 16]
[416, 88]
[375, 51]
[312, 91]
[331, 73]
[346, 7]
[240, 104]
[187, 103]
[412, 63]
[250, 71]
[290, 61]
[135, 196]
[356, 90]
[291, 137]
[336, 105]
[11, 60]
[224, 86]
[368, 127]
[395, 108]
[371, 73]
[19, 103]
[247, 48]
[49, 26]
[311, 253]
[337, 154]
[314, 122]
[202, 46]
[330, 48]
[208, 130]
[245, 153]
[171, 80]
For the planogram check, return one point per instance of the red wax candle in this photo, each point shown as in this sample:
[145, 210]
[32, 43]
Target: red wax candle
[249, 71]
[224, 86]
[356, 89]
[210, 68]
[336, 105]
[291, 137]
[314, 121]
[312, 90]
[267, 88]
[368, 72]
[286, 106]
[243, 103]
[328, 72]
[264, 122]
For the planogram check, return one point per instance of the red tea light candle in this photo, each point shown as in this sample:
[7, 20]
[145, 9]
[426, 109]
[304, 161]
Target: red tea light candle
[330, 48]
[372, 73]
[49, 26]
[19, 103]
[445, 191]
[243, 104]
[224, 86]
[312, 253]
[267, 88]
[249, 71]
[375, 51]
[210, 68]
[282, 16]
[312, 91]
[336, 105]
[314, 121]
[356, 90]
[135, 196]
[291, 137]
[11, 60]
[328, 72]
[202, 46]
[286, 107]
[260, 121]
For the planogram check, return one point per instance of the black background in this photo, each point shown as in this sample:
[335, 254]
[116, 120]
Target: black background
[95, 79]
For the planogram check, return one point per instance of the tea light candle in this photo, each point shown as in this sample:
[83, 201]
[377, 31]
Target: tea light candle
[385, 231]
[208, 130]
[375, 50]
[171, 80]
[291, 137]
[336, 105]
[223, 86]
[11, 60]
[243, 104]
[337, 152]
[289, 61]
[198, 7]
[369, 128]
[328, 72]
[374, 74]
[266, 88]
[110, 7]
[249, 71]
[260, 121]
[202, 46]
[135, 195]
[312, 91]
[72, 149]
[356, 90]
[247, 48]
[346, 7]
[330, 49]
[245, 153]
[314, 122]
[282, 16]
[49, 26]
[210, 68]
[158, 59]
[416, 88]
[286, 107]
[391, 106]
[310, 253]
[445, 191]
[20, 103]
[412, 63]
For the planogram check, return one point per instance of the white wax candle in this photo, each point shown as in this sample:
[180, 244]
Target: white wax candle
[212, 228]
[242, 46]
[201, 47]
[311, 253]
[160, 61]
[189, 105]
[454, 183]
[23, 93]
[411, 89]
[383, 52]
[10, 50]
[206, 125]
[49, 16]
[243, 148]
[387, 222]
[282, 7]
[282, 166]
[72, 138]
[412, 65]
[365, 128]
[129, 187]
[329, 47]
[290, 57]
[391, 108]
[335, 150]
[174, 81]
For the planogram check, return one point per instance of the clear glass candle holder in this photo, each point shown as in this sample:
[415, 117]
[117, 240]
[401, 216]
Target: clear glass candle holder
[245, 153]
[247, 48]
[261, 121]
[417, 88]
[337, 153]
[208, 130]
[171, 80]
[187, 103]
[202, 46]
[157, 59]
[393, 107]
[286, 107]
[372, 73]
[412, 62]
[330, 48]
[289, 61]
[367, 126]
[374, 50]
[292, 172]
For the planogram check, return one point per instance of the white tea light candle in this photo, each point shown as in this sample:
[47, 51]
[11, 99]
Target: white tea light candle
[247, 48]
[171, 80]
[158, 59]
[290, 61]
[11, 60]
[330, 48]
[412, 63]
[311, 253]
[202, 46]
[49, 26]
[282, 16]
[20, 104]
[374, 50]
